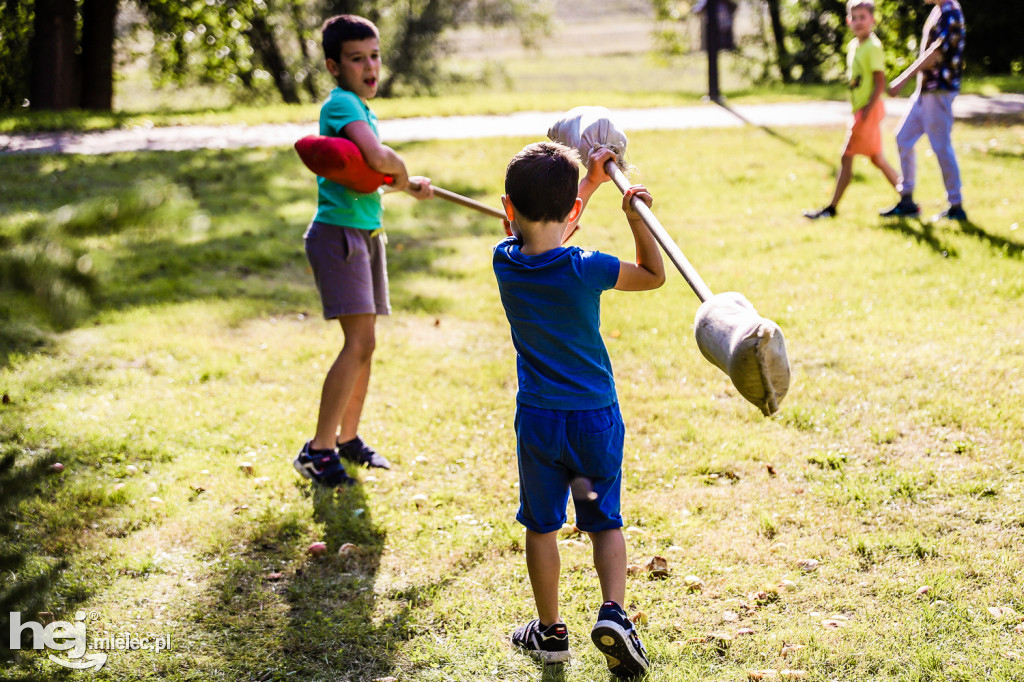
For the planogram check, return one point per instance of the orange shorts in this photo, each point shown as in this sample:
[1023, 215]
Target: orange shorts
[865, 134]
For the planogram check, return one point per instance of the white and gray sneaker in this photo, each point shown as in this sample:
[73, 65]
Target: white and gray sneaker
[548, 644]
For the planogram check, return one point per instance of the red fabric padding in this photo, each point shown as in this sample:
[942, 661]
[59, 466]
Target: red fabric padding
[339, 160]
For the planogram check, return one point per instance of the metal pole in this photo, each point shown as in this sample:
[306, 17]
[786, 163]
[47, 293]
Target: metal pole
[712, 41]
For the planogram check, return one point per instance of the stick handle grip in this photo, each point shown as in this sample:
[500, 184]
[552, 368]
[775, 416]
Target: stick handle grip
[455, 198]
[661, 235]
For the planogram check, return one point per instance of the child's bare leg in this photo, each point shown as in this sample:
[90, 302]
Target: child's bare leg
[350, 420]
[890, 173]
[352, 364]
[610, 562]
[544, 566]
[842, 179]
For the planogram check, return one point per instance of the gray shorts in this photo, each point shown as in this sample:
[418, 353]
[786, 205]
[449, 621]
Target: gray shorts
[350, 269]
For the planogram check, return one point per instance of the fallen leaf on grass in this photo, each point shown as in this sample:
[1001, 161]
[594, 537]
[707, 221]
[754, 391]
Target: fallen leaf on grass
[923, 590]
[317, 548]
[420, 500]
[693, 583]
[789, 586]
[787, 649]
[1019, 629]
[246, 468]
[568, 529]
[348, 548]
[639, 618]
[276, 575]
[744, 631]
[1000, 612]
[771, 470]
[56, 467]
[833, 624]
[572, 544]
[658, 567]
[634, 569]
[731, 617]
[808, 565]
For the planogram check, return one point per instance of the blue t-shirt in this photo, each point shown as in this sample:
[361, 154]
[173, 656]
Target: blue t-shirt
[337, 204]
[553, 304]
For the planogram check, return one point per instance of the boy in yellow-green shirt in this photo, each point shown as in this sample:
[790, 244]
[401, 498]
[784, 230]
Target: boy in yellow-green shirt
[866, 70]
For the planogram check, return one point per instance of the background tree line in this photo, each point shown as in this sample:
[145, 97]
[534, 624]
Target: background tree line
[805, 39]
[61, 54]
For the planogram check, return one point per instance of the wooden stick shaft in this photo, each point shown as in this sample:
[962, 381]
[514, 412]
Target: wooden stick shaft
[660, 235]
[448, 195]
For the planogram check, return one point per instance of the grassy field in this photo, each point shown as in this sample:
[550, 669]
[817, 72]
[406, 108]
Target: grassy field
[896, 462]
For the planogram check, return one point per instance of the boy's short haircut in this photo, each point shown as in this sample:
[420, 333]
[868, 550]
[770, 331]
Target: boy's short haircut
[541, 181]
[851, 5]
[344, 27]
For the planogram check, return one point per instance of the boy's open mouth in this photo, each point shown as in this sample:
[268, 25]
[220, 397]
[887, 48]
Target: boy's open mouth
[371, 81]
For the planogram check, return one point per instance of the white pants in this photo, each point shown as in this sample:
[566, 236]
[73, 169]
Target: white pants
[930, 114]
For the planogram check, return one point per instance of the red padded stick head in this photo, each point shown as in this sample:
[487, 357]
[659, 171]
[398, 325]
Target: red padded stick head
[339, 160]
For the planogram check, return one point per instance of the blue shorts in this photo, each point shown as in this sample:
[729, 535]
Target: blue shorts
[562, 448]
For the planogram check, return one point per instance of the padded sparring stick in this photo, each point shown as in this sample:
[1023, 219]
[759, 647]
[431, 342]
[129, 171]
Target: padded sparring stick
[339, 160]
[749, 348]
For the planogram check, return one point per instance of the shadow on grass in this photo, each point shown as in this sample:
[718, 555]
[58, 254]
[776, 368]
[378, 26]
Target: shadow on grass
[230, 229]
[925, 234]
[1008, 246]
[800, 147]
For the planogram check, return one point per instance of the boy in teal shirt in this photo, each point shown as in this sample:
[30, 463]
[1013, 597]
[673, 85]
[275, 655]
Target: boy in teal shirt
[866, 70]
[345, 247]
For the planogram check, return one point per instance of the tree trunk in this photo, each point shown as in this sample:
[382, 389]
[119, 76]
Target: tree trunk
[779, 33]
[52, 53]
[261, 35]
[98, 18]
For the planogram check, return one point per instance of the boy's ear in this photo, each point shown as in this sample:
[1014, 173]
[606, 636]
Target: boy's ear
[332, 67]
[574, 213]
[510, 211]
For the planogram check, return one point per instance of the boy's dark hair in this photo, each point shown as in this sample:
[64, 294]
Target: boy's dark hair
[342, 28]
[541, 181]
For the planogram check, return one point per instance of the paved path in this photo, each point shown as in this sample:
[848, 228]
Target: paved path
[179, 138]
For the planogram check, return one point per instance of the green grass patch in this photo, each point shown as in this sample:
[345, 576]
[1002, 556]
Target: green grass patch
[895, 463]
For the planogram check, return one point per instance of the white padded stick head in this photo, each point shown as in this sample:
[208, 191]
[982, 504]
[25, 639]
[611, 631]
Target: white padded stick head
[585, 128]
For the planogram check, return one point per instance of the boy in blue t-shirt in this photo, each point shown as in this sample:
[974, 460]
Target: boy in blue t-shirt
[569, 430]
[345, 247]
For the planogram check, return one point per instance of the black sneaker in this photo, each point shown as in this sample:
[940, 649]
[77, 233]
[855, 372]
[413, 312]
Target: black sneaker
[827, 212]
[321, 466]
[359, 452]
[954, 212]
[550, 644]
[616, 638]
[905, 208]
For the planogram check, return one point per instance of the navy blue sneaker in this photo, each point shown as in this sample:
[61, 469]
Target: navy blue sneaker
[616, 638]
[550, 644]
[954, 212]
[905, 208]
[827, 212]
[322, 466]
[359, 452]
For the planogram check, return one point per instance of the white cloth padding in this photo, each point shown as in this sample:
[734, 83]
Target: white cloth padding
[749, 348]
[584, 128]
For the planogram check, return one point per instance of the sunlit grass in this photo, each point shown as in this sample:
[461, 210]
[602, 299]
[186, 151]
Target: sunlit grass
[896, 461]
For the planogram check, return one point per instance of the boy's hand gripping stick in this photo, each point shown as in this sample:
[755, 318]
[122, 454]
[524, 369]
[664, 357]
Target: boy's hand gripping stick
[749, 348]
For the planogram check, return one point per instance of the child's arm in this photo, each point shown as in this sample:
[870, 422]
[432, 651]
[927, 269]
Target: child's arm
[649, 271]
[384, 159]
[925, 61]
[589, 184]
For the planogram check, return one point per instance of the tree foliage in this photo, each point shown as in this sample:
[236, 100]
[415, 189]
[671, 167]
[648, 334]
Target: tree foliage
[806, 39]
[60, 56]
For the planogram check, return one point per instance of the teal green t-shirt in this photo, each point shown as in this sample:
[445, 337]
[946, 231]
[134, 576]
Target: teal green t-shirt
[337, 204]
[862, 60]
